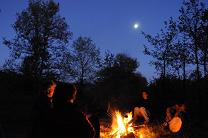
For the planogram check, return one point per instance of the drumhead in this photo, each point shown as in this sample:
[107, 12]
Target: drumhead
[175, 124]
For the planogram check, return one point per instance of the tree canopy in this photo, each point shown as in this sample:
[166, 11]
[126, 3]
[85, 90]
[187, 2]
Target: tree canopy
[182, 43]
[82, 61]
[41, 35]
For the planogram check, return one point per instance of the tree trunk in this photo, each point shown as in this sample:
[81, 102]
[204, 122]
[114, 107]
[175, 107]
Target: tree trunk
[196, 58]
[184, 77]
[184, 70]
[164, 67]
[204, 64]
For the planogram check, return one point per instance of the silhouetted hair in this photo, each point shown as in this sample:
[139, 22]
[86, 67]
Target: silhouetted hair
[63, 93]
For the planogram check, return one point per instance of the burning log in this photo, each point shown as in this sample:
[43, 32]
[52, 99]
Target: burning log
[130, 135]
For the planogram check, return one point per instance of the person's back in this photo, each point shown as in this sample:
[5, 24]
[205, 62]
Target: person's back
[42, 110]
[70, 122]
[66, 119]
[92, 114]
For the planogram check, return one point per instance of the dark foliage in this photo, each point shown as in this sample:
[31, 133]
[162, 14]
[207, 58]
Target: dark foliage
[41, 35]
[119, 84]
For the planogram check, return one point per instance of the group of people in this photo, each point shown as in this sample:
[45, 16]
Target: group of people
[56, 116]
[143, 113]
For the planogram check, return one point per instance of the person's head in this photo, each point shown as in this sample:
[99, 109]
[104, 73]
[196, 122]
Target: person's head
[170, 112]
[145, 95]
[181, 107]
[65, 93]
[49, 88]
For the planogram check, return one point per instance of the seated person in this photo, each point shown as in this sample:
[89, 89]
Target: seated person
[176, 110]
[67, 120]
[142, 110]
[42, 109]
[175, 117]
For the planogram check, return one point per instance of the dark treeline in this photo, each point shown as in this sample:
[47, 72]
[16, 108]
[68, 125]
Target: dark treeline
[41, 49]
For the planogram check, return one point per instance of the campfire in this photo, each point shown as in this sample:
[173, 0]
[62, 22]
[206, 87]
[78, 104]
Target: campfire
[123, 127]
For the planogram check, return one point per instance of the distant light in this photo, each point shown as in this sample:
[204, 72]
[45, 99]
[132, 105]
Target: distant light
[136, 26]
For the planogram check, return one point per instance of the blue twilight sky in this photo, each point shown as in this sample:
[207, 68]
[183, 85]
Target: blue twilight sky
[109, 23]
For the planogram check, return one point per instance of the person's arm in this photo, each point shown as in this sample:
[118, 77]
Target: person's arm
[91, 128]
[87, 126]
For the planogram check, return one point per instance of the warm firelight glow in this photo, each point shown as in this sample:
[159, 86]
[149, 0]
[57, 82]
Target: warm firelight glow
[122, 127]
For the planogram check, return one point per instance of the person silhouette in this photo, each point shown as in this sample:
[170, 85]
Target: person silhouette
[143, 109]
[67, 120]
[42, 109]
[176, 116]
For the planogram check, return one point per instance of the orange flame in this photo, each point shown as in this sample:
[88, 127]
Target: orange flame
[122, 127]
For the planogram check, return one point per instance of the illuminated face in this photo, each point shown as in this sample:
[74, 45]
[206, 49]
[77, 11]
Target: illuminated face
[145, 95]
[51, 90]
[183, 108]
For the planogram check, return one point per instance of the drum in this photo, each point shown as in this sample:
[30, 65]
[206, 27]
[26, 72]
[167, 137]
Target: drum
[175, 124]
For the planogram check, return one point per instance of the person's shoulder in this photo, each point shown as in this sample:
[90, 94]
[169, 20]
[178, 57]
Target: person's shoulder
[39, 100]
[80, 113]
[71, 109]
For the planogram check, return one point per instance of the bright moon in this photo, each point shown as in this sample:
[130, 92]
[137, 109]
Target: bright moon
[136, 26]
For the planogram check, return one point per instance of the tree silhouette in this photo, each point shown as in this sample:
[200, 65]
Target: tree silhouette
[119, 83]
[108, 60]
[162, 45]
[41, 35]
[190, 25]
[183, 42]
[204, 44]
[180, 56]
[82, 62]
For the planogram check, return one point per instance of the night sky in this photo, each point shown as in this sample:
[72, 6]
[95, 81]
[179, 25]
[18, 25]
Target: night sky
[109, 23]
